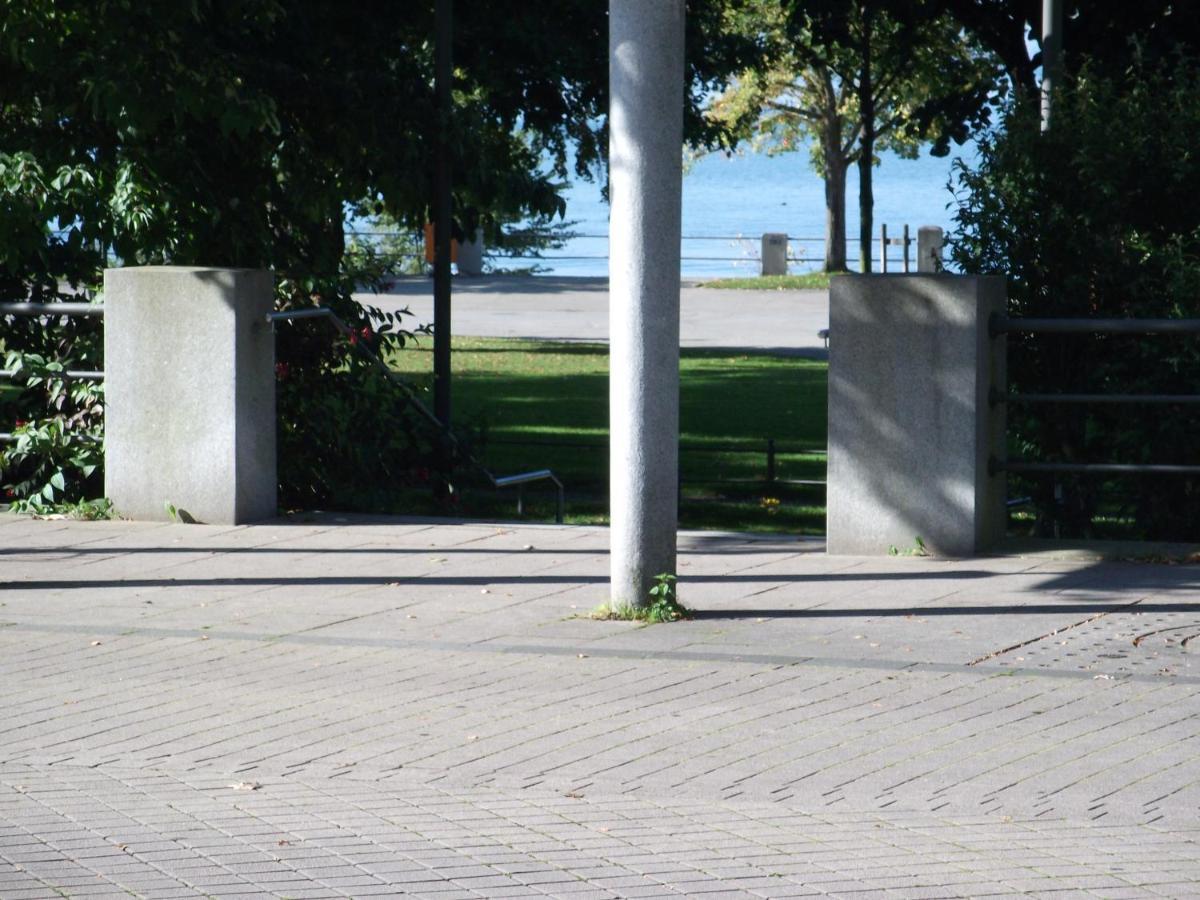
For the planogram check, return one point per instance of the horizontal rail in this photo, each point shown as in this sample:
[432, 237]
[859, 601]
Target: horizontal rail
[524, 478]
[684, 448]
[81, 374]
[1000, 324]
[51, 309]
[571, 236]
[1033, 468]
[323, 312]
[1100, 398]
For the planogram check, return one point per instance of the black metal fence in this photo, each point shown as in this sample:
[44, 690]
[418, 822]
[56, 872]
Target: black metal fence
[1001, 324]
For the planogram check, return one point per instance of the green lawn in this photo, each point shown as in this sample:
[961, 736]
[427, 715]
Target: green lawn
[545, 405]
[806, 281]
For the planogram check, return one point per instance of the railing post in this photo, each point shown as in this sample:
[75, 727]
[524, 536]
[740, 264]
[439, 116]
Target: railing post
[906, 243]
[883, 247]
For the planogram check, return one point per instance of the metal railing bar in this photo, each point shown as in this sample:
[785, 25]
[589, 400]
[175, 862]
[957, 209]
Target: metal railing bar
[51, 309]
[410, 392]
[1000, 324]
[686, 448]
[69, 373]
[1031, 468]
[1101, 398]
[590, 236]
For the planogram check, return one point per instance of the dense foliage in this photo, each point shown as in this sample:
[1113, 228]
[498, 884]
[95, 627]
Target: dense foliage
[242, 133]
[851, 80]
[1092, 219]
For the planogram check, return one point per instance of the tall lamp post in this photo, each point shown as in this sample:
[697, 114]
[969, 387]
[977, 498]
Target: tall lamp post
[443, 73]
[1052, 25]
[646, 79]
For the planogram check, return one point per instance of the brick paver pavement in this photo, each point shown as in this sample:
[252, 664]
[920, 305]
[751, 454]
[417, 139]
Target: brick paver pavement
[340, 706]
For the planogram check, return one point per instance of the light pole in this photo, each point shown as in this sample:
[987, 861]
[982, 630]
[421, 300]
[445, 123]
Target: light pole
[1052, 24]
[646, 77]
[443, 73]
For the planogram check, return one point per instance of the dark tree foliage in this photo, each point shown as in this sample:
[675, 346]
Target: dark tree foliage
[1090, 220]
[1104, 32]
[241, 132]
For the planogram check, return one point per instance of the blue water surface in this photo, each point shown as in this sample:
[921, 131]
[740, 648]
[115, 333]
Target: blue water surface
[738, 198]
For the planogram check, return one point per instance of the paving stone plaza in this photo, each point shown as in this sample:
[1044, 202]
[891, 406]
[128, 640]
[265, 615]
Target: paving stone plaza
[349, 707]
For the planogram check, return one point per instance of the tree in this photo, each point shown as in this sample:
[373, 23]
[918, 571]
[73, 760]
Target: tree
[240, 132]
[854, 80]
[1084, 221]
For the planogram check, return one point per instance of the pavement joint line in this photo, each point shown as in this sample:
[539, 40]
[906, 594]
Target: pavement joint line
[1050, 634]
[760, 659]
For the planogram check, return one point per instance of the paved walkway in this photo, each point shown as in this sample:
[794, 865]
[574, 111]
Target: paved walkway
[576, 309]
[331, 706]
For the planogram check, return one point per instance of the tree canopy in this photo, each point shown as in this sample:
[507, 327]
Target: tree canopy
[850, 80]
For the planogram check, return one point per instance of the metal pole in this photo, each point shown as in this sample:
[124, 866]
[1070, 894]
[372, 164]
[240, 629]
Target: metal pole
[906, 243]
[646, 72]
[883, 249]
[1052, 24]
[443, 73]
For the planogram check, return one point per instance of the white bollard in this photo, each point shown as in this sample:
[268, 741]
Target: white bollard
[774, 254]
[646, 76]
[189, 393]
[930, 240]
[470, 256]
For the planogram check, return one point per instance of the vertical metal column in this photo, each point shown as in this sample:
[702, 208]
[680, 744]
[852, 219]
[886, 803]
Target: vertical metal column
[1052, 25]
[646, 75]
[443, 73]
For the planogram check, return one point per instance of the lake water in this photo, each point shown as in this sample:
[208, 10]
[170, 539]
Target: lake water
[728, 203]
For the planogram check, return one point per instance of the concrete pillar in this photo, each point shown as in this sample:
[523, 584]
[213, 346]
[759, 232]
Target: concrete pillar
[774, 254]
[930, 240]
[645, 159]
[910, 425]
[470, 255]
[189, 387]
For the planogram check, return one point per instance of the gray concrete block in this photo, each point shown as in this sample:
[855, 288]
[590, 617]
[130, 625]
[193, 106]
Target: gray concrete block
[910, 427]
[774, 254]
[189, 393]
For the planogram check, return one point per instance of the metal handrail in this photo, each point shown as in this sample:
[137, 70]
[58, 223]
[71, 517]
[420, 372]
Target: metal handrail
[999, 324]
[1092, 468]
[325, 312]
[82, 374]
[51, 309]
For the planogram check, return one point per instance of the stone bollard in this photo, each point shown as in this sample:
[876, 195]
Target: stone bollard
[774, 254]
[930, 240]
[189, 370]
[470, 256]
[911, 429]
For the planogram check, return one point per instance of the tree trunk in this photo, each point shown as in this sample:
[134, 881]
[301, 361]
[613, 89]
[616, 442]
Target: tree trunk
[835, 213]
[866, 111]
[866, 200]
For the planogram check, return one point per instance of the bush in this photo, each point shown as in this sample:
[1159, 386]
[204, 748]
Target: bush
[1095, 218]
[348, 438]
